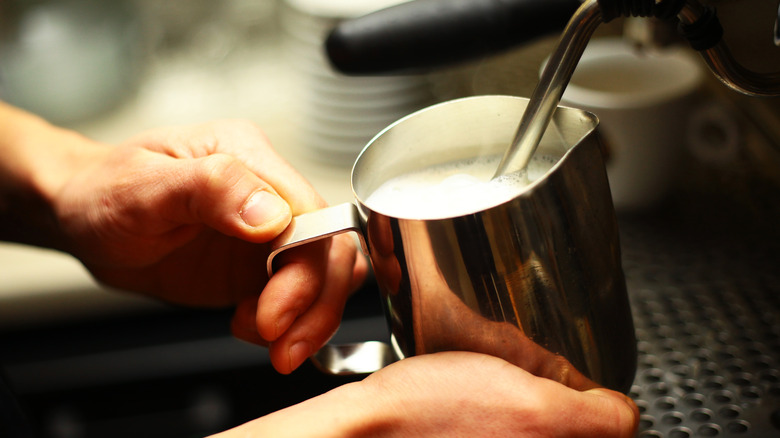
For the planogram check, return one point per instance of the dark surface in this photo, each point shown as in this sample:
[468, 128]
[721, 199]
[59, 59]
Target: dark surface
[703, 275]
[168, 374]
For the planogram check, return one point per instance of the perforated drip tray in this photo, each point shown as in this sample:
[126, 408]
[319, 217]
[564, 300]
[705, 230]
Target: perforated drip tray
[706, 303]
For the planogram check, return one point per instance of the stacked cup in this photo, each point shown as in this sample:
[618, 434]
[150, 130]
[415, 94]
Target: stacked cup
[339, 114]
[644, 100]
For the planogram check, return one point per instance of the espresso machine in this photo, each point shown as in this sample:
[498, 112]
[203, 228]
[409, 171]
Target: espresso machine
[701, 269]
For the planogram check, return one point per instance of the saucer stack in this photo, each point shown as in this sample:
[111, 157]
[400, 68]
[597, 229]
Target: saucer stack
[339, 114]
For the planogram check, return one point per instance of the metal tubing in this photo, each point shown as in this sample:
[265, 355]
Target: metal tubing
[553, 82]
[725, 67]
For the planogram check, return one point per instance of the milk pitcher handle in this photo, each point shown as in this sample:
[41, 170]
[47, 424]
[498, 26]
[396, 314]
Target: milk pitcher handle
[357, 358]
[317, 225]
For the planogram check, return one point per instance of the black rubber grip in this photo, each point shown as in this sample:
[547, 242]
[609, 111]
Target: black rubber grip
[425, 34]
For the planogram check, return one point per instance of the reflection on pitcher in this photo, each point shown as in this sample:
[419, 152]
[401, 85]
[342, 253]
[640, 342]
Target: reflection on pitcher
[442, 320]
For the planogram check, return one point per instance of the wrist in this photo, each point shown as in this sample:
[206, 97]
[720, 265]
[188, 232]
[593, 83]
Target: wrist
[36, 160]
[347, 411]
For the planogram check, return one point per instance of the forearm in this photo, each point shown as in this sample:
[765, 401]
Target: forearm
[36, 160]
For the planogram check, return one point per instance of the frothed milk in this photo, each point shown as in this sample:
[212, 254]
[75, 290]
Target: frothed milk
[454, 189]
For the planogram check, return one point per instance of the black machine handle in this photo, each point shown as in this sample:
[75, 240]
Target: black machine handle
[425, 34]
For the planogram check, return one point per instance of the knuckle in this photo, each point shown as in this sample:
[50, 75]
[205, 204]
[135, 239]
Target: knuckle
[239, 126]
[216, 172]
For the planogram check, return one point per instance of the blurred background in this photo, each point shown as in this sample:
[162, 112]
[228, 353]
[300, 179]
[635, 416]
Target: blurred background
[91, 362]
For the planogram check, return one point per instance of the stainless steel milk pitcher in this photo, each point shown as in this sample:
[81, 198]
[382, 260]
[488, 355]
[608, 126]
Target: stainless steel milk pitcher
[536, 280]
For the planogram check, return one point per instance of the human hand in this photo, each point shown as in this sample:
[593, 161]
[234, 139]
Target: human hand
[452, 394]
[184, 214]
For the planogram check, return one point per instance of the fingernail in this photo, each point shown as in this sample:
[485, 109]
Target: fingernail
[284, 322]
[263, 207]
[299, 352]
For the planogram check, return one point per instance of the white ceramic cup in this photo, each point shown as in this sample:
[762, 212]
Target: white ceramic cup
[644, 101]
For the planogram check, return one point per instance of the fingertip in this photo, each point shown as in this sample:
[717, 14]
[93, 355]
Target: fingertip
[298, 353]
[248, 336]
[628, 412]
[243, 324]
[279, 359]
[282, 324]
[266, 211]
[292, 290]
[286, 358]
[281, 302]
[604, 392]
[634, 419]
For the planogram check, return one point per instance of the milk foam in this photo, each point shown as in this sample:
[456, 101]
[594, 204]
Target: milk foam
[454, 189]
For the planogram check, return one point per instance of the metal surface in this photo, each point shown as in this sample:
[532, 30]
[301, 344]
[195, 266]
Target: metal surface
[563, 61]
[706, 305]
[535, 280]
[725, 67]
[355, 358]
[317, 225]
[552, 83]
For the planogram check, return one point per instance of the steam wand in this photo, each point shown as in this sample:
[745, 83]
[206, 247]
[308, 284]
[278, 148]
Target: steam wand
[701, 28]
[703, 31]
[548, 92]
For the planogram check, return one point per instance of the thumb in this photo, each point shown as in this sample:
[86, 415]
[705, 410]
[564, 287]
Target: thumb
[623, 417]
[222, 193]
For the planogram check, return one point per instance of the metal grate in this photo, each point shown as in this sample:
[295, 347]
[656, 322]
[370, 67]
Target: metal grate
[706, 303]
